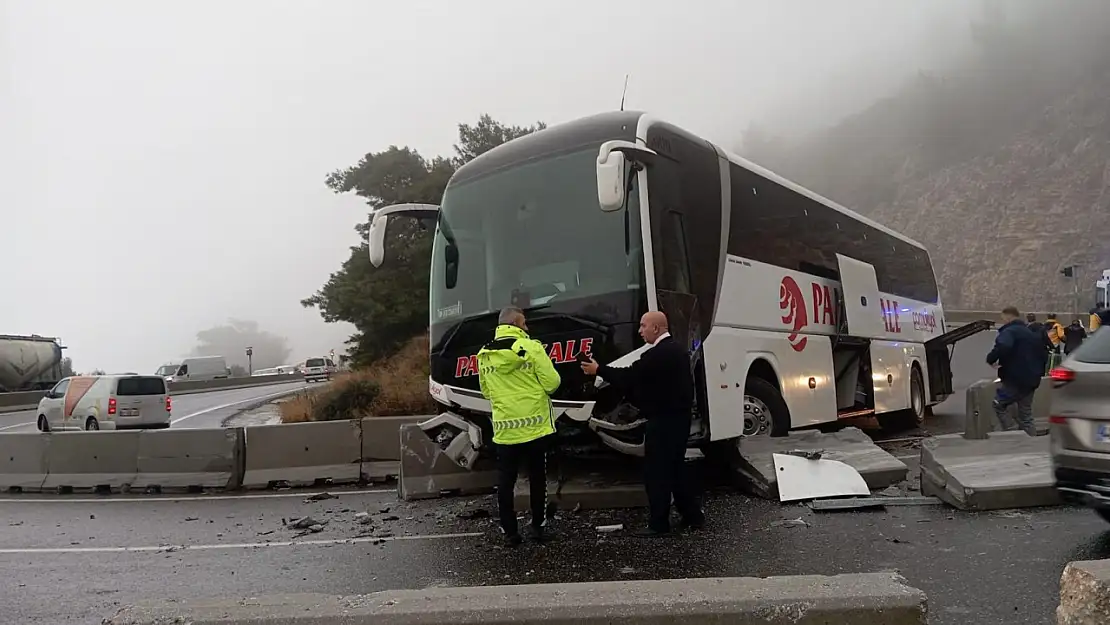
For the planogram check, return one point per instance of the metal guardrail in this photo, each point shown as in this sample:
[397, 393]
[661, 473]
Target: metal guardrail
[14, 402]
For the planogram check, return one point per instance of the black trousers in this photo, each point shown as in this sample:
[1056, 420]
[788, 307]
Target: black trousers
[666, 476]
[533, 455]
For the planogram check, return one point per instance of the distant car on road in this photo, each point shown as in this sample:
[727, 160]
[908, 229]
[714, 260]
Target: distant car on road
[318, 369]
[1079, 425]
[106, 402]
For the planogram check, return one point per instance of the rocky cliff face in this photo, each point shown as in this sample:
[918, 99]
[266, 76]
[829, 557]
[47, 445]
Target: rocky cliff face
[1002, 169]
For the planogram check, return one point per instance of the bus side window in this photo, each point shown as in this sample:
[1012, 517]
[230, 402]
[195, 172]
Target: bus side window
[676, 253]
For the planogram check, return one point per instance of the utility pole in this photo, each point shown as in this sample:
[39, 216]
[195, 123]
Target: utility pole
[250, 365]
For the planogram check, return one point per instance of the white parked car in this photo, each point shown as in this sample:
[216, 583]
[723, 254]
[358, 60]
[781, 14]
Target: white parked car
[106, 402]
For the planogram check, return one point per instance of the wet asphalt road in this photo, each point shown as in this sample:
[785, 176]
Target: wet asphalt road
[77, 559]
[65, 562]
[195, 410]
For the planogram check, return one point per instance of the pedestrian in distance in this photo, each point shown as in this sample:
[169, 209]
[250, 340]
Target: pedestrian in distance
[1017, 354]
[1055, 332]
[661, 386]
[1074, 335]
[517, 377]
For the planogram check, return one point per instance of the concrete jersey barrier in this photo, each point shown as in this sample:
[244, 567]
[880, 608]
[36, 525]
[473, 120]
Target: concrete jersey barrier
[303, 454]
[15, 402]
[1084, 593]
[872, 598]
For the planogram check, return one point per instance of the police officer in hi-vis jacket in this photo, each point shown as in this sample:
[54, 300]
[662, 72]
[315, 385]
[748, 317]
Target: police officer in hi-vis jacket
[517, 377]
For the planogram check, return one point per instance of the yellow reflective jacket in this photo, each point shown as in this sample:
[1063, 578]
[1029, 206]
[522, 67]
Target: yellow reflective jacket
[1055, 332]
[517, 377]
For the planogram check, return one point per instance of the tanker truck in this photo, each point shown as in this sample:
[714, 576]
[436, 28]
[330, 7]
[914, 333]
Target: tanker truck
[29, 363]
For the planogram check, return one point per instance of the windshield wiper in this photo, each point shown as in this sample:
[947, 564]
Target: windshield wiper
[600, 327]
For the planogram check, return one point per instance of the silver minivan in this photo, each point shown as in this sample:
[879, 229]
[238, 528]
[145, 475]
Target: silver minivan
[106, 402]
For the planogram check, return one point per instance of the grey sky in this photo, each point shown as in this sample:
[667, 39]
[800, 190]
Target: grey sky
[163, 163]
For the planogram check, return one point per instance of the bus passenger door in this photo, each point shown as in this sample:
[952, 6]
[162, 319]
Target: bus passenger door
[862, 307]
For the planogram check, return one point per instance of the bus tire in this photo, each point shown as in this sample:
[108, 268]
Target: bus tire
[914, 417]
[767, 399]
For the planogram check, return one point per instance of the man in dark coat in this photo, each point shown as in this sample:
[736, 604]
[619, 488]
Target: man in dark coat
[1017, 354]
[661, 386]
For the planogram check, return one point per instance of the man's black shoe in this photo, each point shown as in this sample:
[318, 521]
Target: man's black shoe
[513, 540]
[647, 532]
[538, 534]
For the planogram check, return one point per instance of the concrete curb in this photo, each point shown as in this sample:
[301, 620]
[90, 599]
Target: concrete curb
[1084, 593]
[873, 598]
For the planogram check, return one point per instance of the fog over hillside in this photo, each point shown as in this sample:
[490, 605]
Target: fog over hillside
[998, 160]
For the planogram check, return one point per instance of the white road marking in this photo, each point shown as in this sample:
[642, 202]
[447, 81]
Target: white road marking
[113, 499]
[234, 403]
[17, 425]
[229, 546]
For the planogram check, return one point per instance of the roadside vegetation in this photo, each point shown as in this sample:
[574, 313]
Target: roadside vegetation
[394, 386]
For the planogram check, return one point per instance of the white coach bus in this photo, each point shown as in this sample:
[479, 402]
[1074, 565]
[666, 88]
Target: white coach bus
[798, 312]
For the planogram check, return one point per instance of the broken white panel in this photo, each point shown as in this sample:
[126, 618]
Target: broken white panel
[799, 478]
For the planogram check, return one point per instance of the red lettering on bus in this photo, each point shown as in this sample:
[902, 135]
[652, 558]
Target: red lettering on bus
[559, 353]
[828, 317]
[793, 306]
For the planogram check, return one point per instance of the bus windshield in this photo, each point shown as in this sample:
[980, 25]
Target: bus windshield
[535, 230]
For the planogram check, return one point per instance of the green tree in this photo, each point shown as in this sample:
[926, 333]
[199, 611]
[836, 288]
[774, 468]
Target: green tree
[388, 305]
[232, 339]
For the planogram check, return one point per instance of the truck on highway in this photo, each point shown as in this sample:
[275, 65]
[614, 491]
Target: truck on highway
[797, 311]
[29, 363]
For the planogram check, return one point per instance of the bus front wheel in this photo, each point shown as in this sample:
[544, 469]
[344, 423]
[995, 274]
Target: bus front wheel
[765, 411]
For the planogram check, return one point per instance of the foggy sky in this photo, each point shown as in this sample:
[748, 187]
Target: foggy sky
[162, 164]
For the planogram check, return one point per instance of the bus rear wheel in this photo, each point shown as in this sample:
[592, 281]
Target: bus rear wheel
[914, 417]
[765, 411]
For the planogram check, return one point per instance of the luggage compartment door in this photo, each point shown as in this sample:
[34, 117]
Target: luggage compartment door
[862, 310]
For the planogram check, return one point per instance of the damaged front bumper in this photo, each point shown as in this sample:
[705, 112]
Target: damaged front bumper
[621, 429]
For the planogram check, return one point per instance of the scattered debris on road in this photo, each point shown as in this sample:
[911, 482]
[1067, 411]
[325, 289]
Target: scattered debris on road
[609, 529]
[321, 497]
[863, 503]
[798, 522]
[807, 454]
[474, 514]
[304, 523]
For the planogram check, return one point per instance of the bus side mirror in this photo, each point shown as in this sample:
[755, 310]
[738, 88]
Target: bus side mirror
[611, 160]
[377, 239]
[451, 268]
[380, 218]
[610, 181]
